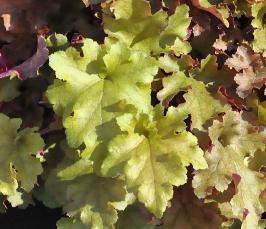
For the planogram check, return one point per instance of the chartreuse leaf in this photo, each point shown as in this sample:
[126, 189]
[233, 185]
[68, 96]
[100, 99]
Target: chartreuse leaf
[258, 107]
[234, 141]
[174, 36]
[147, 31]
[78, 168]
[145, 28]
[86, 86]
[56, 42]
[19, 164]
[211, 76]
[258, 11]
[198, 101]
[90, 201]
[90, 197]
[258, 162]
[151, 159]
[170, 63]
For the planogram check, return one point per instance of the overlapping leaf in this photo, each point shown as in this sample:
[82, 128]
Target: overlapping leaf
[19, 164]
[103, 77]
[258, 107]
[89, 200]
[193, 58]
[152, 159]
[234, 142]
[198, 101]
[148, 32]
[258, 12]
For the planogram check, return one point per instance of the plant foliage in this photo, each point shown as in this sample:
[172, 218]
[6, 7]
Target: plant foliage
[135, 113]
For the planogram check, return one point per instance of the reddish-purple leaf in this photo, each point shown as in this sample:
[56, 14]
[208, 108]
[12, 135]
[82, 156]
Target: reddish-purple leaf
[29, 68]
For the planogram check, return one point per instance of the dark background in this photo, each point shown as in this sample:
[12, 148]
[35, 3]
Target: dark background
[33, 217]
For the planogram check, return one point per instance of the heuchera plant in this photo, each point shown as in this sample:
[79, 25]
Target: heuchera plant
[155, 121]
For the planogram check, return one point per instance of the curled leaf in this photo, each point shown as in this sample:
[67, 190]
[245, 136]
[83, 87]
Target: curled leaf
[30, 67]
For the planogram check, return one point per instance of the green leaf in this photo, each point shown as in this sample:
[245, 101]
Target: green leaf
[15, 199]
[170, 63]
[148, 153]
[259, 108]
[90, 197]
[212, 76]
[87, 86]
[148, 32]
[174, 36]
[89, 200]
[258, 12]
[143, 34]
[78, 168]
[19, 164]
[56, 42]
[198, 101]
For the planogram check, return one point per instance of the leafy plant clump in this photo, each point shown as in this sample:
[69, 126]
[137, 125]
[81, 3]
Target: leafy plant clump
[134, 113]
